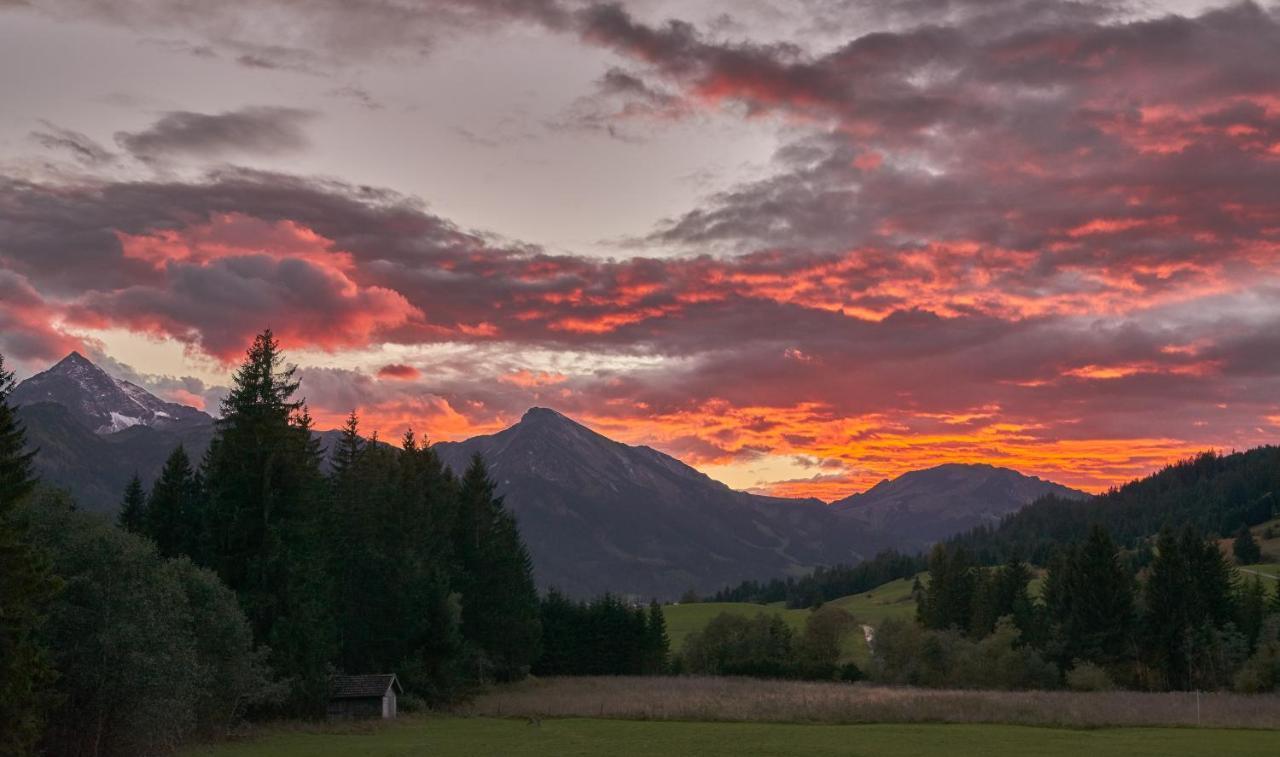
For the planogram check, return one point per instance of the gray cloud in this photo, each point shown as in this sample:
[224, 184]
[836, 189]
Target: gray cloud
[81, 147]
[252, 130]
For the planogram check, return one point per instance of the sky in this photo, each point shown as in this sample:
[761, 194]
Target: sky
[803, 246]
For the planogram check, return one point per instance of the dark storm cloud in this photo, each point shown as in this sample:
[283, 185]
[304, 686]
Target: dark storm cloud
[252, 130]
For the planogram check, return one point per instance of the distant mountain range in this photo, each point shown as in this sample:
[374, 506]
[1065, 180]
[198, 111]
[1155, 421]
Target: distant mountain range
[597, 515]
[603, 516]
[925, 506]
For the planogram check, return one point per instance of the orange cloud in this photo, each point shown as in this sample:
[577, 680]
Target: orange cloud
[533, 379]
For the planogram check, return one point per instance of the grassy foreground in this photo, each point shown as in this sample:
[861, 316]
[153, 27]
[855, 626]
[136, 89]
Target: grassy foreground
[710, 699]
[473, 737]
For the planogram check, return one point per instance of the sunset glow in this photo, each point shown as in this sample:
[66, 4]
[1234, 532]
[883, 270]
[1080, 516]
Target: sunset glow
[802, 260]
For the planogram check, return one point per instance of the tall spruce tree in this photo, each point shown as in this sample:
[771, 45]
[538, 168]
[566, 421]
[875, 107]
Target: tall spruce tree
[495, 578]
[948, 600]
[1245, 548]
[1251, 609]
[1089, 596]
[26, 588]
[1188, 596]
[1003, 592]
[265, 494]
[657, 642]
[133, 507]
[172, 518]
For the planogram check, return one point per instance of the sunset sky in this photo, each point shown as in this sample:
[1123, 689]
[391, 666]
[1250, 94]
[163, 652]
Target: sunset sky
[803, 245]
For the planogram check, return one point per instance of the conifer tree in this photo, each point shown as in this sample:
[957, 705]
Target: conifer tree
[948, 600]
[657, 643]
[348, 449]
[1245, 548]
[1251, 610]
[133, 508]
[26, 588]
[495, 578]
[264, 500]
[171, 518]
[1188, 596]
[1002, 592]
[1090, 600]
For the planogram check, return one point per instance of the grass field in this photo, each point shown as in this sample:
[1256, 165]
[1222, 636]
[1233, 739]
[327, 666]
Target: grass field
[891, 600]
[476, 737]
[710, 699]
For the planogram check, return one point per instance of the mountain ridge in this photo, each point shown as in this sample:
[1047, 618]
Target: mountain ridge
[633, 517]
[599, 515]
[928, 505]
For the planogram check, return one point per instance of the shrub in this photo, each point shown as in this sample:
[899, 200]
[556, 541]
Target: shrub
[149, 652]
[1261, 672]
[735, 645]
[1086, 676]
[907, 654]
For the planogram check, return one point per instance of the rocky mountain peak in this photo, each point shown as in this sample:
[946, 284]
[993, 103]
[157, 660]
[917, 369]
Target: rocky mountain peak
[102, 403]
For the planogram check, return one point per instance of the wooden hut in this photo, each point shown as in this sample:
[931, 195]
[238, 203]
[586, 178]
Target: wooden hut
[366, 696]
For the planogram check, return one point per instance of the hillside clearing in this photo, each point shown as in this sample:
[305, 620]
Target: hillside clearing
[471, 737]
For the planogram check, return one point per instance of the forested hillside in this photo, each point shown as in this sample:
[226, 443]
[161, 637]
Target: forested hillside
[244, 578]
[1216, 494]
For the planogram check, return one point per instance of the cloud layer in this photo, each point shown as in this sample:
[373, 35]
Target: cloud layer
[1035, 234]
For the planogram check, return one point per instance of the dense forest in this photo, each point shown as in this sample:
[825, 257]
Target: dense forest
[1185, 621]
[249, 577]
[1213, 493]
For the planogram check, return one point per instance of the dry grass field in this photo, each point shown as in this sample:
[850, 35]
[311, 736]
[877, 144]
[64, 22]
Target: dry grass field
[749, 700]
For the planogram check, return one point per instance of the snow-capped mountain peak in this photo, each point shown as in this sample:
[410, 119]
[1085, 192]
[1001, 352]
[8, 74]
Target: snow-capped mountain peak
[103, 403]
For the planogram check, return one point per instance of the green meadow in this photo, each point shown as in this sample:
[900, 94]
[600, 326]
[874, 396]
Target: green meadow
[477, 737]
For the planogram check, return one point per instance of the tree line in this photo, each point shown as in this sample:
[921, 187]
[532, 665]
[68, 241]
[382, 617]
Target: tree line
[824, 583]
[242, 582]
[605, 636]
[1187, 620]
[1213, 493]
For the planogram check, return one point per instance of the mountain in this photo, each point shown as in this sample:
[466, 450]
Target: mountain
[101, 403]
[94, 431]
[602, 516]
[597, 515]
[925, 506]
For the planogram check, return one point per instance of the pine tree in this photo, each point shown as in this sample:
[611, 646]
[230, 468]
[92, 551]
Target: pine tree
[1188, 596]
[16, 476]
[26, 587]
[495, 578]
[1099, 613]
[265, 498]
[1251, 609]
[948, 601]
[133, 508]
[349, 448]
[1246, 550]
[172, 519]
[657, 643]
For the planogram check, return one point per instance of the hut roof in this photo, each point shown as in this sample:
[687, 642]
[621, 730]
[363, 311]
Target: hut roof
[360, 687]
